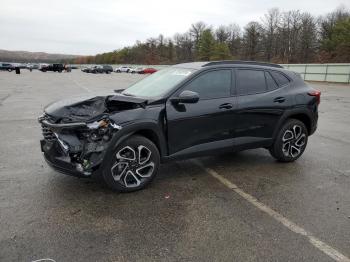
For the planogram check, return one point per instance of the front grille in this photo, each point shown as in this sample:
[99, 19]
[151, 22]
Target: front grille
[47, 133]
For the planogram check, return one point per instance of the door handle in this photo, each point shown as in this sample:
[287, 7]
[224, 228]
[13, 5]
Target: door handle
[226, 106]
[279, 99]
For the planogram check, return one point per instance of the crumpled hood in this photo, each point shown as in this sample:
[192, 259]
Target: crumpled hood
[86, 107]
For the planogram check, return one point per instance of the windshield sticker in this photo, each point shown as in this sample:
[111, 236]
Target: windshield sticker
[181, 73]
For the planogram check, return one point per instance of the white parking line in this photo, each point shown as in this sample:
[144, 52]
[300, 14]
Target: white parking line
[319, 244]
[81, 86]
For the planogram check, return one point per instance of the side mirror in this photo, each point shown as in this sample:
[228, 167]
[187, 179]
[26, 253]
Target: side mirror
[186, 97]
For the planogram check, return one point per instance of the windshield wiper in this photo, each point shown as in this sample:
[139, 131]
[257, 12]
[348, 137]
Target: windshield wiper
[127, 94]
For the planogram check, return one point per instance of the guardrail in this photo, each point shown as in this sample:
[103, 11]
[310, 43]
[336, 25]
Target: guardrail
[322, 72]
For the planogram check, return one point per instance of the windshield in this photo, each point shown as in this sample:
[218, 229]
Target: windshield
[159, 83]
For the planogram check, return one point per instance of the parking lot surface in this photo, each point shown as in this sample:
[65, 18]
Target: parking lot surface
[235, 207]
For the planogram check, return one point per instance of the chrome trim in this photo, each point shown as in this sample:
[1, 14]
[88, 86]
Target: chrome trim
[67, 125]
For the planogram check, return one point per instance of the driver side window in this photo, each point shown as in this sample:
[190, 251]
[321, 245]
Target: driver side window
[213, 84]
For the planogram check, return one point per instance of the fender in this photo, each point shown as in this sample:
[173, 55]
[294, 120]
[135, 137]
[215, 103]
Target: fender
[129, 129]
[290, 112]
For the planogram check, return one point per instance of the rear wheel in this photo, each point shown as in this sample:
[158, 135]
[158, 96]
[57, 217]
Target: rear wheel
[290, 142]
[133, 165]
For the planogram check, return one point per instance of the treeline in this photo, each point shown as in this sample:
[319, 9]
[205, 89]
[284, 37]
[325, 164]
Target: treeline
[279, 37]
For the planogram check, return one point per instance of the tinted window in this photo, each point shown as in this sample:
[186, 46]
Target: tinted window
[250, 82]
[271, 83]
[213, 84]
[280, 79]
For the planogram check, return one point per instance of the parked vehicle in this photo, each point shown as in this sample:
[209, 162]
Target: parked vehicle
[6, 67]
[32, 66]
[122, 69]
[98, 69]
[148, 70]
[136, 70]
[183, 111]
[52, 67]
[19, 65]
[85, 69]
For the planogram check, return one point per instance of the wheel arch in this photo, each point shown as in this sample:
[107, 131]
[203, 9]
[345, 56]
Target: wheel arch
[304, 118]
[300, 114]
[150, 130]
[151, 135]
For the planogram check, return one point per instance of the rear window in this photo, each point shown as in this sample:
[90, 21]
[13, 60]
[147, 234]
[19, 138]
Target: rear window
[280, 78]
[271, 83]
[250, 81]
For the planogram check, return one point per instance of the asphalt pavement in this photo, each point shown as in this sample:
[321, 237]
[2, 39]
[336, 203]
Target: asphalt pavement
[234, 207]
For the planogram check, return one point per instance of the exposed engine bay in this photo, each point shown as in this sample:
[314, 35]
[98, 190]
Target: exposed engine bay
[77, 132]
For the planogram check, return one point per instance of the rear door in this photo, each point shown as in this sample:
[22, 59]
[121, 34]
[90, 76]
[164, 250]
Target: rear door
[261, 103]
[207, 123]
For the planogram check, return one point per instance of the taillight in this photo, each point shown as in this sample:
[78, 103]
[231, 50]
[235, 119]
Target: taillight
[316, 94]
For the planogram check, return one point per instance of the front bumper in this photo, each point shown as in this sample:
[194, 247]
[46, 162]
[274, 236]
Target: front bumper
[58, 160]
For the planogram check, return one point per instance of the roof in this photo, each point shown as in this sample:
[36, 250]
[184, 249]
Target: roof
[192, 65]
[199, 65]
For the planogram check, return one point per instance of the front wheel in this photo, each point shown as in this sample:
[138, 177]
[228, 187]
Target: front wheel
[290, 142]
[133, 165]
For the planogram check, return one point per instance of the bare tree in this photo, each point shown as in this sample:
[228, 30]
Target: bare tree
[271, 22]
[308, 39]
[234, 40]
[222, 34]
[196, 31]
[252, 40]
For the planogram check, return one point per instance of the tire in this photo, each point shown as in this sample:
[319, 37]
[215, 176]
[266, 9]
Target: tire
[290, 142]
[133, 165]
[10, 70]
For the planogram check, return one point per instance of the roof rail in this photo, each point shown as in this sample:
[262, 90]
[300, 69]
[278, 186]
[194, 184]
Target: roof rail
[239, 62]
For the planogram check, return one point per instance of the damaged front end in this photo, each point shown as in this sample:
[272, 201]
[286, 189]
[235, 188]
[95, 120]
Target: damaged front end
[77, 133]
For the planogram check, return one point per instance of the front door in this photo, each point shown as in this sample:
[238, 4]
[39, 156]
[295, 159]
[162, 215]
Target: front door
[209, 122]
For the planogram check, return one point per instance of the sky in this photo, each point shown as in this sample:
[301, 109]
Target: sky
[88, 27]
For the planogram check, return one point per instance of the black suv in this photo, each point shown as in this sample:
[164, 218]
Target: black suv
[183, 111]
[53, 67]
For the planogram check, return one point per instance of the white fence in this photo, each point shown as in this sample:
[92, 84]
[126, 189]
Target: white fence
[322, 72]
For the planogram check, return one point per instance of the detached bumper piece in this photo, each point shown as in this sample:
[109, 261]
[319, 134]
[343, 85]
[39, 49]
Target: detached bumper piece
[76, 149]
[55, 157]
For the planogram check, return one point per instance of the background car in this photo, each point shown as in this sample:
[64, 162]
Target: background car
[148, 70]
[86, 69]
[136, 70]
[98, 69]
[101, 69]
[32, 66]
[6, 67]
[121, 69]
[52, 67]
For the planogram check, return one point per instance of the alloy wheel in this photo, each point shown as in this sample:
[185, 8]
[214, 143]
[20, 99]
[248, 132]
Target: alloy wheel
[133, 166]
[294, 140]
